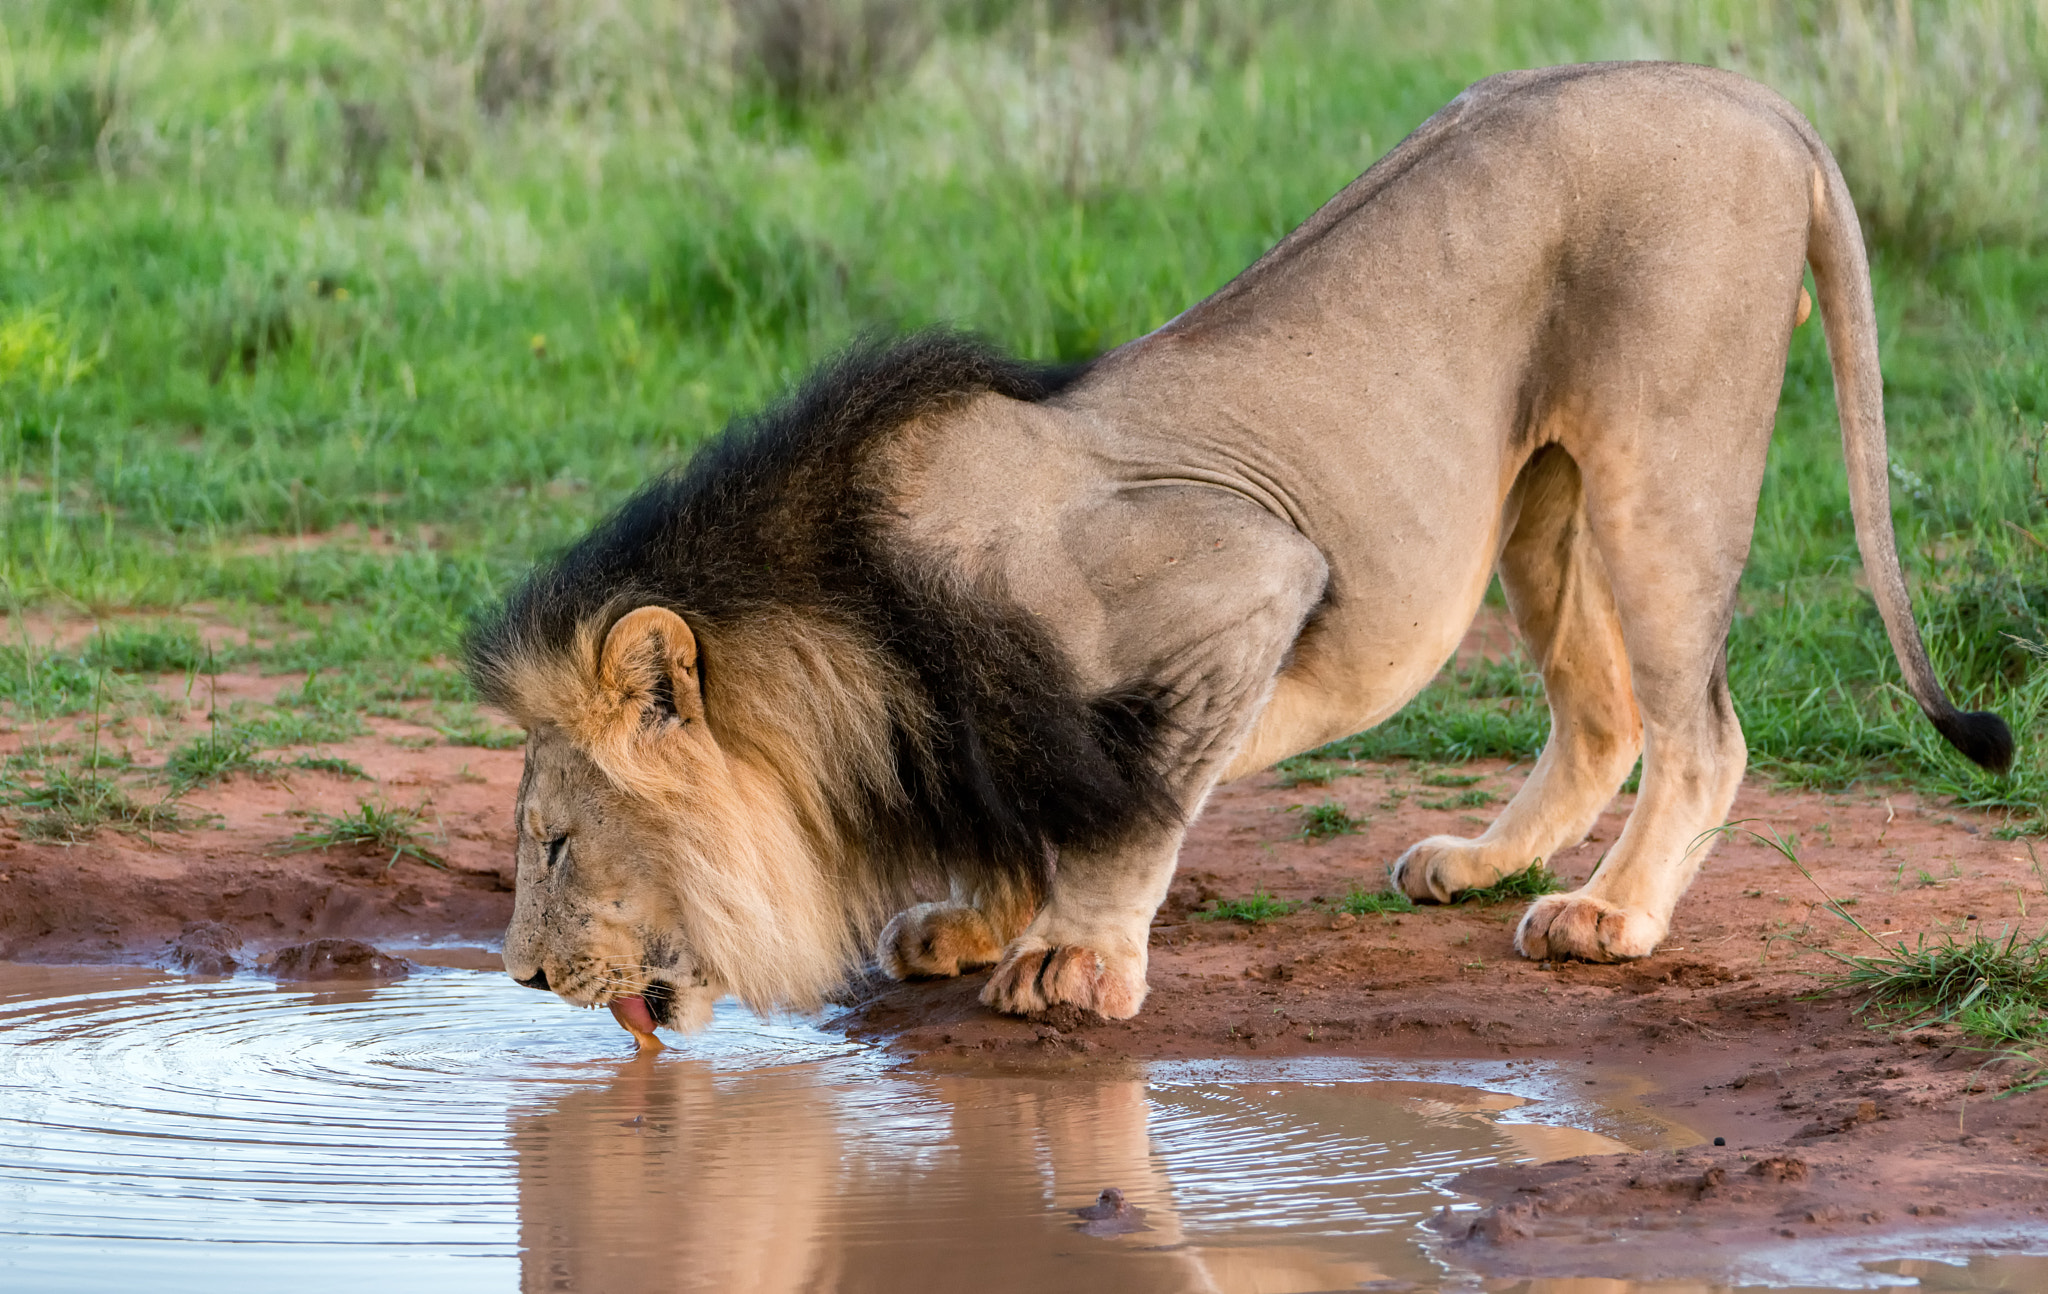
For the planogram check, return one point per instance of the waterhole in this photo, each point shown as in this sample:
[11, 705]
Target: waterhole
[453, 1132]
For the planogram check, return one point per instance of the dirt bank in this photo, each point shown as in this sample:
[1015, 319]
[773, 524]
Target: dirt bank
[123, 897]
[1834, 1133]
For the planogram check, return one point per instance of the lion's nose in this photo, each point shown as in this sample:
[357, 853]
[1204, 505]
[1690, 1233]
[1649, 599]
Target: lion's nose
[539, 980]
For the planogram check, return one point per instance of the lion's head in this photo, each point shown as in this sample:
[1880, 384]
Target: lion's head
[590, 920]
[670, 847]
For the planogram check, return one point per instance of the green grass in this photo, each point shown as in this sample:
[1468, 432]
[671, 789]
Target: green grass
[1444, 777]
[1472, 797]
[1325, 821]
[484, 736]
[1993, 990]
[330, 764]
[220, 753]
[68, 805]
[147, 649]
[320, 322]
[1261, 906]
[1360, 902]
[1304, 771]
[373, 826]
[1483, 710]
[1533, 881]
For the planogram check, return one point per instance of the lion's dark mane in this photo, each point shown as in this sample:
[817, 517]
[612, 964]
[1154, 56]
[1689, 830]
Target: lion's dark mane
[780, 513]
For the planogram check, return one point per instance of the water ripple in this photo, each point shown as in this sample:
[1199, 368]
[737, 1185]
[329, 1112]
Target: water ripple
[455, 1132]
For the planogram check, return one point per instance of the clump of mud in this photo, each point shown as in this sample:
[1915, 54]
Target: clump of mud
[337, 959]
[205, 948]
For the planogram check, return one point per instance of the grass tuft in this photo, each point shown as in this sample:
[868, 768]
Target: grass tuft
[69, 805]
[1953, 980]
[1994, 990]
[484, 736]
[147, 649]
[1532, 882]
[331, 764]
[1302, 770]
[1261, 906]
[373, 825]
[1471, 797]
[1325, 821]
[1444, 777]
[218, 754]
[1360, 901]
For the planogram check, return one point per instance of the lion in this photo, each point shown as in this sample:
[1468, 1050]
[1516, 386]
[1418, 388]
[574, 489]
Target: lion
[946, 623]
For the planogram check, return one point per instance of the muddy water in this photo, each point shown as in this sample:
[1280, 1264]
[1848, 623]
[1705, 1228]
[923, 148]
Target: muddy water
[453, 1132]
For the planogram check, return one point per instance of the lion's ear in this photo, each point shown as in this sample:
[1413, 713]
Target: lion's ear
[650, 654]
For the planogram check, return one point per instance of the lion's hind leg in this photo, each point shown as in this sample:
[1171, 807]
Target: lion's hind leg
[1558, 591]
[1671, 498]
[941, 940]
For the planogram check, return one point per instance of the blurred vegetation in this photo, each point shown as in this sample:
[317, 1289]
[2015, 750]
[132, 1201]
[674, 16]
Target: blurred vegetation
[323, 320]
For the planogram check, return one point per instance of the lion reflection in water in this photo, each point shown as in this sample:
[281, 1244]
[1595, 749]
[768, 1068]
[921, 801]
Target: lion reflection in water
[673, 1176]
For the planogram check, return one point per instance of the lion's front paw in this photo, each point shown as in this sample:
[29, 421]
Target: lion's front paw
[1441, 868]
[937, 939]
[1577, 925]
[1034, 975]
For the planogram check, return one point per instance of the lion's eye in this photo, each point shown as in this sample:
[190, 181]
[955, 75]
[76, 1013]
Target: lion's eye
[555, 848]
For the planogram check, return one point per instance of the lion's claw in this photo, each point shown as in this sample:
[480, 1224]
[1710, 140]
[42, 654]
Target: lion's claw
[1581, 927]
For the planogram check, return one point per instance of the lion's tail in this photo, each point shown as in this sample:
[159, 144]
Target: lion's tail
[1841, 272]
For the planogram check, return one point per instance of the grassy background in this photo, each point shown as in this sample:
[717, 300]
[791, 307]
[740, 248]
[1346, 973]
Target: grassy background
[435, 282]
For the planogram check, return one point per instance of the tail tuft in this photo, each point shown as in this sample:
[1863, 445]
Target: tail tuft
[1980, 735]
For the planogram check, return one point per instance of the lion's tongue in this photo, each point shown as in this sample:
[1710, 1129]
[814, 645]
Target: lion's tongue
[632, 1014]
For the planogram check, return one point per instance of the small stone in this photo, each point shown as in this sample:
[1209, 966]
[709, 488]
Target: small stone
[1781, 1168]
[1110, 1215]
[205, 948]
[337, 959]
[1504, 1223]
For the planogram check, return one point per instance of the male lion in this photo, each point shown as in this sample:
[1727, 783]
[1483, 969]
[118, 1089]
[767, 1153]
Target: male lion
[943, 618]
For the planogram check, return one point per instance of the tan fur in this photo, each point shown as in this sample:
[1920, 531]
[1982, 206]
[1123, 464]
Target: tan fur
[951, 938]
[937, 939]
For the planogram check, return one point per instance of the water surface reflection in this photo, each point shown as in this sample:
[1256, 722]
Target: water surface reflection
[675, 1176]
